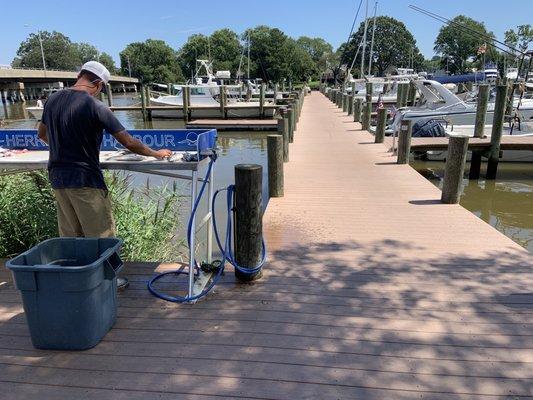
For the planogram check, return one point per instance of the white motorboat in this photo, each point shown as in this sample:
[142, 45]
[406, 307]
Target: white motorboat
[36, 112]
[438, 103]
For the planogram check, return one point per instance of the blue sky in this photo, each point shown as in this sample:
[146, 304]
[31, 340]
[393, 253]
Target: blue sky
[111, 25]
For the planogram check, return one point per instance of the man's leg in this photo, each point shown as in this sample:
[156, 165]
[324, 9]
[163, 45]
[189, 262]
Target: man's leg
[93, 208]
[67, 220]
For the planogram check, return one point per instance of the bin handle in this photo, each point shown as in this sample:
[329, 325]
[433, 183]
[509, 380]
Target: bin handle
[113, 265]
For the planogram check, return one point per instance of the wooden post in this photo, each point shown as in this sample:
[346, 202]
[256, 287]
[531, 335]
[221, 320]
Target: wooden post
[290, 113]
[404, 142]
[481, 111]
[248, 218]
[344, 102]
[496, 134]
[405, 93]
[262, 100]
[169, 88]
[350, 104]
[357, 105]
[276, 93]
[275, 165]
[283, 130]
[367, 113]
[353, 89]
[455, 168]
[381, 123]
[148, 110]
[109, 95]
[185, 96]
[369, 90]
[222, 100]
[411, 95]
[399, 94]
[143, 102]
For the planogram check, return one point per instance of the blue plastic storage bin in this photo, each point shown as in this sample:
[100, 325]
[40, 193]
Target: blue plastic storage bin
[69, 290]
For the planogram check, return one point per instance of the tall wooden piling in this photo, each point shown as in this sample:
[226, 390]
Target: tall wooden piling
[148, 110]
[380, 126]
[411, 94]
[399, 94]
[283, 130]
[404, 142]
[169, 88]
[262, 100]
[143, 103]
[497, 130]
[186, 99]
[109, 95]
[454, 169]
[350, 104]
[276, 89]
[248, 218]
[367, 113]
[481, 112]
[275, 165]
[344, 102]
[290, 113]
[357, 106]
[222, 101]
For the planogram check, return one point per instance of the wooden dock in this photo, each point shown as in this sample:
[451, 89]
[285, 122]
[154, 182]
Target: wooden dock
[373, 289]
[508, 142]
[235, 124]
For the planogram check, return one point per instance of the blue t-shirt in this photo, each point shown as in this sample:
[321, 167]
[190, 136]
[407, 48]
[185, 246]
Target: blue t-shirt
[75, 122]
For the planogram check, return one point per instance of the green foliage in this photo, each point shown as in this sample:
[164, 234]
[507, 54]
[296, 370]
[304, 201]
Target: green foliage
[60, 53]
[225, 49]
[27, 212]
[394, 46]
[521, 38]
[320, 51]
[87, 52]
[196, 48]
[457, 46]
[146, 218]
[151, 61]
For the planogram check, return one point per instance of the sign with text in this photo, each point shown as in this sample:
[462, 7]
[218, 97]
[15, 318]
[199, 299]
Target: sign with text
[200, 140]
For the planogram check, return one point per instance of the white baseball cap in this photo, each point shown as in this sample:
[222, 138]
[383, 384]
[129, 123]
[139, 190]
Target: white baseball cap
[98, 69]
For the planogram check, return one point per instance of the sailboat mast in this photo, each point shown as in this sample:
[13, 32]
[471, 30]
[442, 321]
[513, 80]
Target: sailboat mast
[364, 42]
[372, 42]
[248, 73]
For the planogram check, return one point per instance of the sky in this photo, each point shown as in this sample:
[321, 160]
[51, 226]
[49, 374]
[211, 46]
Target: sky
[110, 25]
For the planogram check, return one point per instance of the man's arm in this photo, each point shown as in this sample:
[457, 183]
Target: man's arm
[136, 146]
[42, 132]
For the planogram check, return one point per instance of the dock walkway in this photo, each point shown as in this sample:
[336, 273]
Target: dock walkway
[373, 290]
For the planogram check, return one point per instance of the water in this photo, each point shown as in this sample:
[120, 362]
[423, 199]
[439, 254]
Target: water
[506, 204]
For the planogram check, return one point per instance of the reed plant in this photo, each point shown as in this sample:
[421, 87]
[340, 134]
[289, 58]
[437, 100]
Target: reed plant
[146, 218]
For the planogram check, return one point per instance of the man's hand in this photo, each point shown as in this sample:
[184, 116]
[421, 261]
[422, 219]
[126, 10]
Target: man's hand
[136, 146]
[42, 133]
[161, 154]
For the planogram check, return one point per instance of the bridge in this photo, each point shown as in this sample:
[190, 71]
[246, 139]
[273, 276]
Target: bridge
[18, 84]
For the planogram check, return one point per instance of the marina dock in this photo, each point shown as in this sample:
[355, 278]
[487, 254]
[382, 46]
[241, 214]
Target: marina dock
[234, 125]
[372, 289]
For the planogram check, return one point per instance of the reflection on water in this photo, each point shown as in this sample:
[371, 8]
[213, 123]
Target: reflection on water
[506, 204]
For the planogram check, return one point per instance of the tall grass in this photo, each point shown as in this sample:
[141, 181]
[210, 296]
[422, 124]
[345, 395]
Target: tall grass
[147, 218]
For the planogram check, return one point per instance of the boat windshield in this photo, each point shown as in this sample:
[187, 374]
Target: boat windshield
[198, 91]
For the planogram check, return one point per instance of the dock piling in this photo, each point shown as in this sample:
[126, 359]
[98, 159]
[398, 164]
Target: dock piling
[404, 142]
[262, 100]
[454, 169]
[380, 126]
[143, 102]
[497, 130]
[248, 218]
[350, 104]
[367, 113]
[481, 112]
[357, 105]
[186, 96]
[275, 165]
[109, 95]
[283, 130]
[290, 113]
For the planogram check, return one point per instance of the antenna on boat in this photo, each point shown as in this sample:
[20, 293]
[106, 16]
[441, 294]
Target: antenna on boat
[248, 72]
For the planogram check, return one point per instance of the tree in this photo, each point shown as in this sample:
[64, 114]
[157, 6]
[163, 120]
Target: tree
[457, 46]
[394, 46]
[87, 52]
[320, 51]
[151, 61]
[60, 53]
[196, 48]
[521, 38]
[225, 49]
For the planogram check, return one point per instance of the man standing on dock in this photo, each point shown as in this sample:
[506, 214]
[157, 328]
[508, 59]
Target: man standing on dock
[73, 123]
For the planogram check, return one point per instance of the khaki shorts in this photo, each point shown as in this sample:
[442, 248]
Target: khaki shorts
[84, 212]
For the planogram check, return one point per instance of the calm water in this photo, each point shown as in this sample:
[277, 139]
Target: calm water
[506, 204]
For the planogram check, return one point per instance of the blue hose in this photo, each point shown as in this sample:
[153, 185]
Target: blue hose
[226, 250]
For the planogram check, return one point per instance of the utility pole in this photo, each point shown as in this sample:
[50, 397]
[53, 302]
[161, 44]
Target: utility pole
[364, 42]
[41, 44]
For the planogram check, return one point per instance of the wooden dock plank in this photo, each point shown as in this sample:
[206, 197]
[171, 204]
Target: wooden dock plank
[372, 290]
[234, 124]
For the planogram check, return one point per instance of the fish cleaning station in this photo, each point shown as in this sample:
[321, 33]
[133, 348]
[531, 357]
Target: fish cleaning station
[193, 152]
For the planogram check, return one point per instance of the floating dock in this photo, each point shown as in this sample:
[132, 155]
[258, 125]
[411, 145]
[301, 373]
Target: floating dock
[235, 124]
[372, 290]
